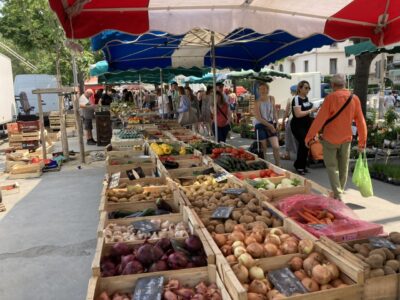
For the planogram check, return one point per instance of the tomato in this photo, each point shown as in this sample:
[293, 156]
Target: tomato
[265, 173]
[253, 176]
[215, 151]
[241, 150]
[273, 174]
[228, 150]
[214, 155]
[239, 175]
[235, 152]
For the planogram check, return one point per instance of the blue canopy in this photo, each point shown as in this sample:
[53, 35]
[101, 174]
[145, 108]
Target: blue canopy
[240, 49]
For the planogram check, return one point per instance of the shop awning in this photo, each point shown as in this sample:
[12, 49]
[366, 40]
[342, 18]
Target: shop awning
[368, 46]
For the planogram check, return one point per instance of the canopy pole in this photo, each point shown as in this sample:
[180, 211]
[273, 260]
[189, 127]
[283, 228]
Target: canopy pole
[76, 111]
[162, 93]
[139, 104]
[381, 110]
[214, 84]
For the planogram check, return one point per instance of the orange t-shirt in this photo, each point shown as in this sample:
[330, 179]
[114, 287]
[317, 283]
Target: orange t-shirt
[339, 130]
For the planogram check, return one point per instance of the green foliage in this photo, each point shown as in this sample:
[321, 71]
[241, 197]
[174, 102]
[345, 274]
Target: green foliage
[31, 29]
[390, 171]
[390, 117]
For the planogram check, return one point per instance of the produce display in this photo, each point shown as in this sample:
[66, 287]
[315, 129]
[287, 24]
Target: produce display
[232, 164]
[315, 273]
[165, 254]
[130, 134]
[114, 233]
[381, 260]
[232, 152]
[172, 162]
[167, 149]
[259, 174]
[133, 193]
[163, 208]
[265, 184]
[243, 246]
[204, 146]
[174, 290]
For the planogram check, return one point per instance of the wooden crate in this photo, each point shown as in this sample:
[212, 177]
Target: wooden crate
[146, 164]
[15, 137]
[189, 163]
[185, 215]
[131, 153]
[287, 228]
[385, 287]
[26, 168]
[12, 128]
[249, 174]
[103, 249]
[186, 172]
[353, 291]
[126, 284]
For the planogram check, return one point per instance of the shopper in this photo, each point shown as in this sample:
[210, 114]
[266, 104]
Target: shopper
[163, 104]
[106, 99]
[175, 98]
[290, 141]
[337, 133]
[300, 124]
[233, 104]
[206, 111]
[86, 110]
[265, 121]
[184, 107]
[223, 118]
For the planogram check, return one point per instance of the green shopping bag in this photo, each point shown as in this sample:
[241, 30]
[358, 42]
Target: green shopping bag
[361, 177]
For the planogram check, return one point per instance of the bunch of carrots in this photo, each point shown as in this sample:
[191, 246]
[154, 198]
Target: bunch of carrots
[322, 216]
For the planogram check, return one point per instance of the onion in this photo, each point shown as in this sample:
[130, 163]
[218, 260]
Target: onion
[321, 274]
[273, 239]
[306, 246]
[237, 244]
[119, 249]
[236, 236]
[239, 227]
[193, 243]
[276, 231]
[125, 259]
[226, 250]
[133, 267]
[164, 244]
[333, 269]
[300, 274]
[158, 266]
[335, 283]
[310, 284]
[231, 259]
[157, 253]
[249, 240]
[246, 260]
[145, 254]
[258, 286]
[296, 263]
[326, 287]
[241, 272]
[316, 256]
[220, 239]
[199, 260]
[284, 237]
[272, 293]
[177, 260]
[256, 250]
[239, 251]
[255, 296]
[256, 273]
[270, 250]
[201, 288]
[168, 295]
[186, 293]
[289, 247]
[308, 264]
[258, 228]
[257, 236]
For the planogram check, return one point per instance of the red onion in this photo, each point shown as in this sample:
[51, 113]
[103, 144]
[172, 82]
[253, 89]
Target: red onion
[164, 244]
[199, 261]
[132, 267]
[145, 254]
[177, 260]
[158, 266]
[193, 243]
[119, 249]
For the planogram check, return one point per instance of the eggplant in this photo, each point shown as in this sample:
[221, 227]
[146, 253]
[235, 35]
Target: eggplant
[163, 205]
[171, 165]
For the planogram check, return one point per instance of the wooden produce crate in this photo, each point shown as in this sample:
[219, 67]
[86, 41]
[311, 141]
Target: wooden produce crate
[187, 172]
[12, 128]
[106, 205]
[190, 162]
[131, 153]
[16, 145]
[15, 137]
[31, 136]
[174, 217]
[252, 174]
[187, 277]
[103, 249]
[384, 287]
[26, 171]
[122, 165]
[287, 228]
[353, 291]
[125, 144]
[26, 126]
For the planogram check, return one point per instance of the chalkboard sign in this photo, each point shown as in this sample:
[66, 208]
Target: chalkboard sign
[114, 181]
[378, 242]
[149, 288]
[318, 226]
[234, 191]
[285, 282]
[220, 177]
[135, 173]
[222, 212]
[146, 226]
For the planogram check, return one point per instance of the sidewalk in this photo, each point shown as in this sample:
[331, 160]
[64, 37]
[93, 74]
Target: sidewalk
[383, 208]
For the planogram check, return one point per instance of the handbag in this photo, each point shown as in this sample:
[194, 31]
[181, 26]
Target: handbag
[361, 177]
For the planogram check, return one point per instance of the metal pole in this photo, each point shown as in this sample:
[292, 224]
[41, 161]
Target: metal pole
[162, 93]
[139, 103]
[41, 118]
[76, 111]
[214, 84]
[382, 82]
[61, 108]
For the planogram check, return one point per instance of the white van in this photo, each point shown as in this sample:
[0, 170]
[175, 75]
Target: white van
[8, 110]
[29, 82]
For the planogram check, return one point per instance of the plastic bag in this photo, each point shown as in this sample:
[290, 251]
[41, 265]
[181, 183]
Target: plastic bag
[361, 177]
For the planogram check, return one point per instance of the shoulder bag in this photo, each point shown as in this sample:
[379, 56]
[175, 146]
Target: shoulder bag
[338, 112]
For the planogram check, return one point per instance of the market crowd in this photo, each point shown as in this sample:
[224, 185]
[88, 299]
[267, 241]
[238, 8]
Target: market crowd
[326, 130]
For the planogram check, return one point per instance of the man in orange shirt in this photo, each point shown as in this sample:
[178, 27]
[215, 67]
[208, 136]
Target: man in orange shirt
[337, 135]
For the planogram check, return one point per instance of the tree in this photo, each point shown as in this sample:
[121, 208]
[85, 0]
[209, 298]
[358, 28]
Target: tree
[33, 29]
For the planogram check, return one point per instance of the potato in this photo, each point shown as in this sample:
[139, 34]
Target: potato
[252, 207]
[220, 228]
[375, 261]
[389, 254]
[388, 270]
[266, 213]
[210, 228]
[265, 220]
[376, 273]
[245, 197]
[363, 250]
[393, 264]
[276, 222]
[379, 252]
[395, 237]
[246, 219]
[397, 250]
[229, 225]
[236, 215]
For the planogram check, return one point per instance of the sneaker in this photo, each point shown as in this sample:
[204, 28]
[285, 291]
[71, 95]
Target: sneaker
[300, 171]
[91, 142]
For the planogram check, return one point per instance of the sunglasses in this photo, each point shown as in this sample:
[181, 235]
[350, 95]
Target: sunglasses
[306, 87]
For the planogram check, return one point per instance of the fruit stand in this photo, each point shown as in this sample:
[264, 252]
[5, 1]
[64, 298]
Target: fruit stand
[212, 221]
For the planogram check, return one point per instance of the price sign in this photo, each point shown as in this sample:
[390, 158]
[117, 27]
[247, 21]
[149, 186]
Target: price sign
[145, 226]
[318, 226]
[220, 177]
[234, 191]
[222, 212]
[114, 181]
[285, 282]
[378, 242]
[149, 288]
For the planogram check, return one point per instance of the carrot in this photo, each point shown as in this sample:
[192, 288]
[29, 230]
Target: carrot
[311, 217]
[328, 221]
[305, 217]
[330, 215]
[305, 209]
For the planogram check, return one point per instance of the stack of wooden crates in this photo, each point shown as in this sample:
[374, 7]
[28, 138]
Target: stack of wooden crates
[24, 135]
[55, 124]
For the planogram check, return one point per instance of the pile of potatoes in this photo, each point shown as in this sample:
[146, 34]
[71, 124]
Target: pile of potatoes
[382, 261]
[137, 193]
